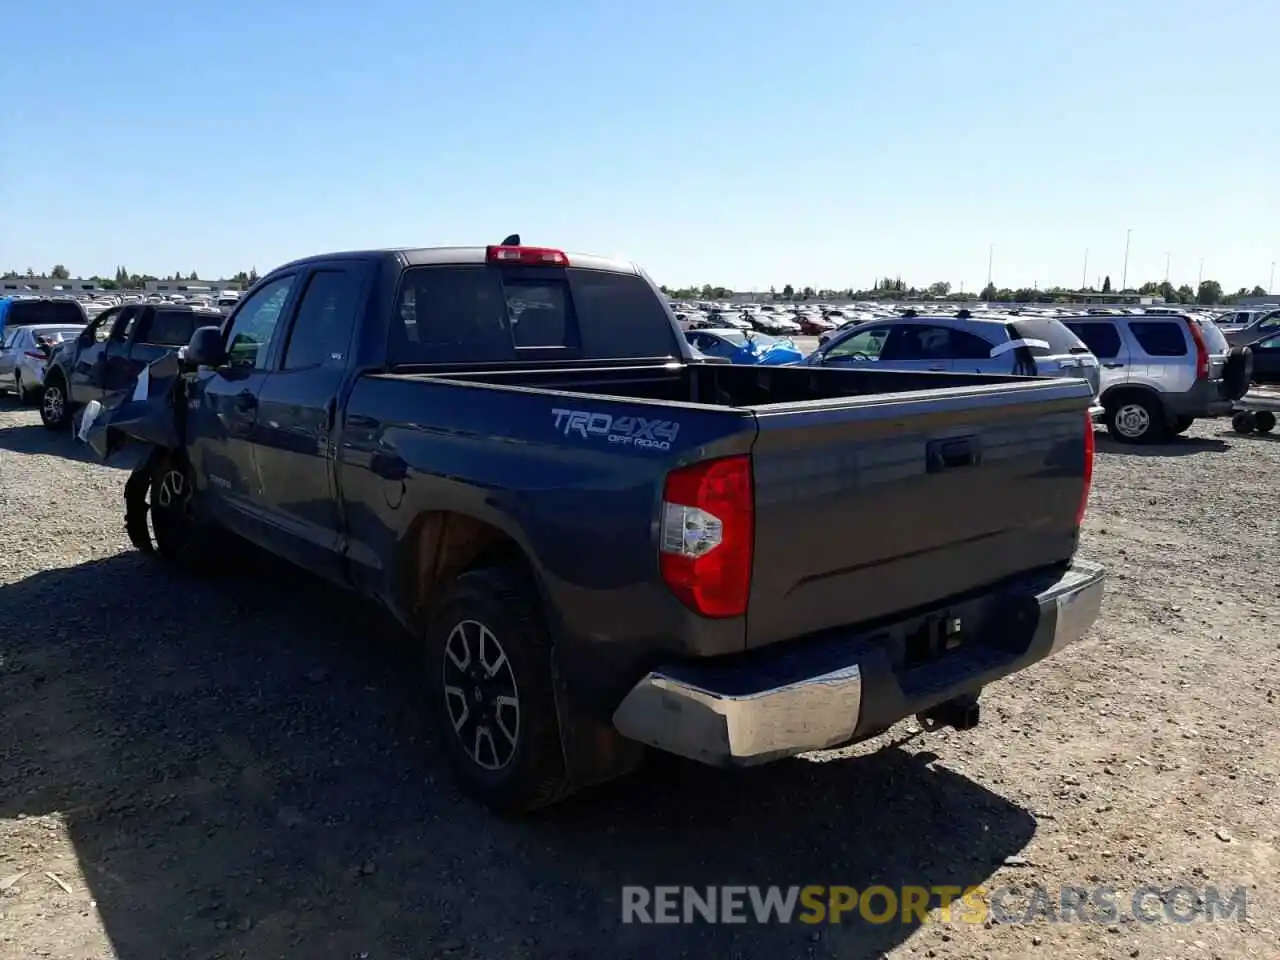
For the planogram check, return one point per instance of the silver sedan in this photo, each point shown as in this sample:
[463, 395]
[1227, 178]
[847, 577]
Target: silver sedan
[24, 356]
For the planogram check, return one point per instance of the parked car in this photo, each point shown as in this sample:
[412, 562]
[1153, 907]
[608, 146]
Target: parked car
[109, 353]
[29, 311]
[1261, 325]
[1161, 374]
[24, 357]
[1266, 360]
[599, 544]
[1029, 346]
[744, 347]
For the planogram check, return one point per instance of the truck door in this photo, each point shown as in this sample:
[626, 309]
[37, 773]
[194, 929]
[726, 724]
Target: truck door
[85, 375]
[223, 406]
[113, 376]
[297, 410]
[159, 330]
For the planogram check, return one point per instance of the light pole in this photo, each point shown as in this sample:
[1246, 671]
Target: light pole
[1200, 278]
[1124, 274]
[1084, 271]
[1166, 266]
[991, 252]
[1272, 280]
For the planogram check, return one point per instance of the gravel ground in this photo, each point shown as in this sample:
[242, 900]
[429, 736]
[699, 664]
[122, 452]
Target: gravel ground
[238, 769]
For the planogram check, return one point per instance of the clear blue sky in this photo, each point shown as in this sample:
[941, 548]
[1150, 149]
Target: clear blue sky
[745, 144]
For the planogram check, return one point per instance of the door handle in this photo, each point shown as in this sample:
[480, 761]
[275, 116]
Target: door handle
[950, 454]
[246, 400]
[1113, 366]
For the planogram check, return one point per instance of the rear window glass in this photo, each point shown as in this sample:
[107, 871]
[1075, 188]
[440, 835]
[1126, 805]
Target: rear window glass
[480, 313]
[540, 314]
[1102, 339]
[1214, 339]
[1160, 338]
[1061, 340]
[173, 328]
[24, 313]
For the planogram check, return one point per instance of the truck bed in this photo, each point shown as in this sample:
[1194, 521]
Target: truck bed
[876, 492]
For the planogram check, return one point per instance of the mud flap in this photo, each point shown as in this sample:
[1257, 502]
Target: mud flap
[136, 500]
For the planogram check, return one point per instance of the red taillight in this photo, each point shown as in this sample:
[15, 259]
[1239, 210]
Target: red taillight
[707, 535]
[36, 355]
[1202, 351]
[527, 256]
[1089, 445]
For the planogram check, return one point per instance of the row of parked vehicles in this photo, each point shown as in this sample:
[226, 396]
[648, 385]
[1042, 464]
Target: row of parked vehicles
[1153, 374]
[602, 541]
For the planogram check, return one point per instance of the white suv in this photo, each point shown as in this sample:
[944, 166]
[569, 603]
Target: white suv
[1162, 373]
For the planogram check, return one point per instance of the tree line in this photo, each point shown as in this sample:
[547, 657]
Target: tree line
[124, 280]
[1208, 293]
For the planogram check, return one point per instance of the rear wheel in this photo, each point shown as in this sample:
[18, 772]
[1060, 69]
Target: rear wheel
[55, 409]
[1264, 421]
[1242, 422]
[1135, 419]
[19, 391]
[488, 662]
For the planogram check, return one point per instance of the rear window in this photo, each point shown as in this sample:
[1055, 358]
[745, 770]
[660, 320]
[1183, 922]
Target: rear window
[1214, 340]
[1061, 340]
[1160, 338]
[480, 313]
[24, 313]
[173, 328]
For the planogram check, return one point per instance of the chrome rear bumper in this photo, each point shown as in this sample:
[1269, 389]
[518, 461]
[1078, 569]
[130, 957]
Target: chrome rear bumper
[747, 715]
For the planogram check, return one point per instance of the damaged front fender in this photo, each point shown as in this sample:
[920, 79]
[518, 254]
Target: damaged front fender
[151, 416]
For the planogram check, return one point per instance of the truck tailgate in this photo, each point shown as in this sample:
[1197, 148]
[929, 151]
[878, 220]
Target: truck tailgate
[880, 505]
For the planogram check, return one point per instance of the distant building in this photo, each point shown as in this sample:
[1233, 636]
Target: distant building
[75, 286]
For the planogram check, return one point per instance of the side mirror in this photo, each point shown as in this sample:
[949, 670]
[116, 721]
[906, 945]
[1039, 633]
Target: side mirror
[205, 348]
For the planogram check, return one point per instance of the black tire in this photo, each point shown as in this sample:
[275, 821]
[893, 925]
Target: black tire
[1136, 418]
[1242, 422]
[1237, 372]
[19, 391]
[1181, 424]
[1264, 421]
[55, 408]
[496, 608]
[179, 536]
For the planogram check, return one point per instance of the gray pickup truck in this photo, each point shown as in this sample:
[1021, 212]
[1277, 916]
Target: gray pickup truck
[602, 543]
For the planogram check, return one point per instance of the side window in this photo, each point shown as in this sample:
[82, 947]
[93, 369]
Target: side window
[173, 328]
[321, 333]
[9, 337]
[100, 328]
[865, 345]
[123, 327]
[255, 322]
[1102, 339]
[1270, 323]
[922, 342]
[968, 346]
[1271, 343]
[1160, 338]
